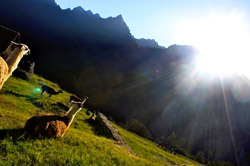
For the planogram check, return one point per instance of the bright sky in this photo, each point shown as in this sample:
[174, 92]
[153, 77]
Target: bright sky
[159, 19]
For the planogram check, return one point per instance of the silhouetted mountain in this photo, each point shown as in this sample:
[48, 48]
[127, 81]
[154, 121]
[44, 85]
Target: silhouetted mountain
[48, 2]
[97, 57]
[148, 43]
[55, 22]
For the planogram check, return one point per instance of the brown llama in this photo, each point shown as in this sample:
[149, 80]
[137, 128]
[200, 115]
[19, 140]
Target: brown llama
[51, 125]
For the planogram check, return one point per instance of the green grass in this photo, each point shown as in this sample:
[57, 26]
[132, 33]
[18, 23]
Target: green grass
[19, 100]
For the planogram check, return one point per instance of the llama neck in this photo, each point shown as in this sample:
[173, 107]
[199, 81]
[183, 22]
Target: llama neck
[71, 113]
[14, 59]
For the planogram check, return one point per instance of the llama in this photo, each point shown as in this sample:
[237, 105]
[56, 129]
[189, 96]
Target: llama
[51, 125]
[74, 98]
[15, 52]
[50, 90]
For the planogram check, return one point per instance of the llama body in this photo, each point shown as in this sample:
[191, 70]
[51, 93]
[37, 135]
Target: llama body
[3, 72]
[47, 125]
[50, 90]
[52, 125]
[14, 52]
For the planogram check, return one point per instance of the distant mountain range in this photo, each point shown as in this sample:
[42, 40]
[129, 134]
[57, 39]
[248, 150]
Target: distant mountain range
[132, 78]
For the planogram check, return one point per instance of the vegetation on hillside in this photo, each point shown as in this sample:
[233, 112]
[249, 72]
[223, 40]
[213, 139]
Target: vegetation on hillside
[81, 145]
[139, 128]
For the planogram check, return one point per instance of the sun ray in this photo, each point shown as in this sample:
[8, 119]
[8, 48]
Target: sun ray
[229, 121]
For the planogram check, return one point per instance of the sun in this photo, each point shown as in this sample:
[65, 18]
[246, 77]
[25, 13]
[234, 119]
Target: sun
[223, 42]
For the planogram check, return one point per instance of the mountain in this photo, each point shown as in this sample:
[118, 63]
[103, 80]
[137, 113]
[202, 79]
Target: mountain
[149, 43]
[55, 22]
[98, 57]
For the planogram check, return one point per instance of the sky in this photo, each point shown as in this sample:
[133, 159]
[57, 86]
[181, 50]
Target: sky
[161, 20]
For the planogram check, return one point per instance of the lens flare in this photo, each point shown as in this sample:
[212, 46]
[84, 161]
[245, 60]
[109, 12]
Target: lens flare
[222, 41]
[36, 90]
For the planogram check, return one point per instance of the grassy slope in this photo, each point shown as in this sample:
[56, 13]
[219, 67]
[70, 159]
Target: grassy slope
[80, 146]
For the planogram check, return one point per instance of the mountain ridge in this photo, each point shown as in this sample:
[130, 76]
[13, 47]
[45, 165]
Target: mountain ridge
[148, 43]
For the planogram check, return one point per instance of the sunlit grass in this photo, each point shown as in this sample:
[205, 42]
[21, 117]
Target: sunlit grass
[79, 146]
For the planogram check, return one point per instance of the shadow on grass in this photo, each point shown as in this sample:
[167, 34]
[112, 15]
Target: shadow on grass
[56, 107]
[95, 126]
[29, 98]
[15, 134]
[16, 94]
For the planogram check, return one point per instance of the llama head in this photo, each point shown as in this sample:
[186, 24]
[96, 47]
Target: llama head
[77, 106]
[79, 102]
[22, 47]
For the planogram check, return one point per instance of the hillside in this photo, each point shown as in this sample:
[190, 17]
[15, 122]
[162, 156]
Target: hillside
[20, 99]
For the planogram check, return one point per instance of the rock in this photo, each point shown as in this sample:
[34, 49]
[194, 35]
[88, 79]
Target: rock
[110, 131]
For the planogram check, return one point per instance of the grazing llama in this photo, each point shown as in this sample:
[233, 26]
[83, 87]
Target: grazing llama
[51, 125]
[15, 52]
[50, 90]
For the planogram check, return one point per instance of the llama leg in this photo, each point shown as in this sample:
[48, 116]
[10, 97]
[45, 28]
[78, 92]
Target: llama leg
[1, 85]
[2, 82]
[42, 92]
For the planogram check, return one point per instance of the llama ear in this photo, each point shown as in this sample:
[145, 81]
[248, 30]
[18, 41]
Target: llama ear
[16, 44]
[81, 104]
[74, 102]
[84, 99]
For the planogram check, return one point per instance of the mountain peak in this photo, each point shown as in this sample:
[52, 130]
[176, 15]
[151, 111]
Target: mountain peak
[78, 9]
[119, 18]
[89, 12]
[97, 15]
